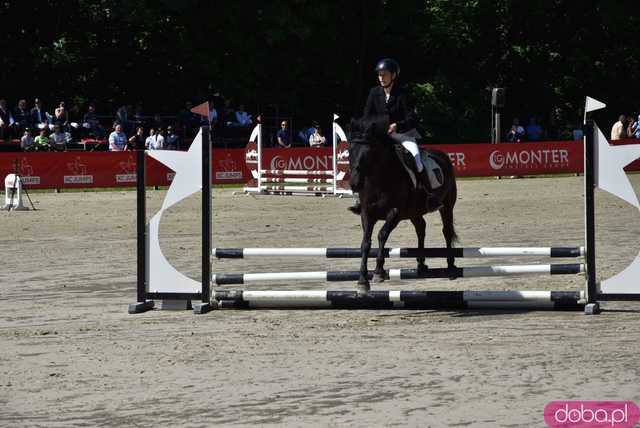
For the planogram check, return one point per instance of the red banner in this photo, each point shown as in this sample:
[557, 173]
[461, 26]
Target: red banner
[108, 169]
[115, 169]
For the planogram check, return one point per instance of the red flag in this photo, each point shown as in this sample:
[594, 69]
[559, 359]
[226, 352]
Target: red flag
[202, 109]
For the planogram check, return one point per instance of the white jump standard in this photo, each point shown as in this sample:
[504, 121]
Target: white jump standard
[158, 279]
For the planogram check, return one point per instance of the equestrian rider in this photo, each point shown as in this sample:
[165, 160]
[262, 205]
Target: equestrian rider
[391, 99]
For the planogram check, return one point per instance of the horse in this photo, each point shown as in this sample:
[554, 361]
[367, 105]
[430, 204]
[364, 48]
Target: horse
[388, 193]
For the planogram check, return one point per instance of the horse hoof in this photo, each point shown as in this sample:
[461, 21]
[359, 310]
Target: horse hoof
[378, 278]
[363, 288]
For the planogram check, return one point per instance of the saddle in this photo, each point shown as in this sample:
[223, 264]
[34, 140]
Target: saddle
[434, 172]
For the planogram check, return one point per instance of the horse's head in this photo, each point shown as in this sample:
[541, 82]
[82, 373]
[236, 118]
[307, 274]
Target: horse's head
[366, 136]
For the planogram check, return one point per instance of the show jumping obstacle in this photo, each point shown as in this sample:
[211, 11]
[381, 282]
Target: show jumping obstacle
[158, 279]
[263, 179]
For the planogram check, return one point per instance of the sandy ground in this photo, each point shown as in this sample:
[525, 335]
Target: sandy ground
[70, 355]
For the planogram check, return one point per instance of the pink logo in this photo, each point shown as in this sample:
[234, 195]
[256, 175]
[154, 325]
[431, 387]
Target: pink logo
[591, 414]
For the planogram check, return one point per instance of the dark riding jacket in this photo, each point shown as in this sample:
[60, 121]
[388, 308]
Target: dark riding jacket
[399, 107]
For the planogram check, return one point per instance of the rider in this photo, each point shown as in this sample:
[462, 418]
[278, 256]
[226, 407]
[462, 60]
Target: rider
[389, 98]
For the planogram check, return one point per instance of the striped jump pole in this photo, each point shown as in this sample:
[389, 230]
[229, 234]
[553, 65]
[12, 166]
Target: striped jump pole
[338, 253]
[402, 274]
[298, 189]
[328, 299]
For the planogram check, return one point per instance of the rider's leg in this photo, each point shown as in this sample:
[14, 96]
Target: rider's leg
[412, 148]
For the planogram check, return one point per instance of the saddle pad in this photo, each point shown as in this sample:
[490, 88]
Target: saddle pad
[434, 172]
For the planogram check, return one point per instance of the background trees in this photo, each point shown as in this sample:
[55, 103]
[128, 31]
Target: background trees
[307, 58]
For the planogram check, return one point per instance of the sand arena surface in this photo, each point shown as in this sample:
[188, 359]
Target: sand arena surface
[70, 355]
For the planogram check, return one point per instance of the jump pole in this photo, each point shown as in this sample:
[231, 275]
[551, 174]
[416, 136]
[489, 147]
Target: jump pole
[330, 299]
[345, 253]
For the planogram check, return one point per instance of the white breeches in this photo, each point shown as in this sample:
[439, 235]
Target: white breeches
[412, 148]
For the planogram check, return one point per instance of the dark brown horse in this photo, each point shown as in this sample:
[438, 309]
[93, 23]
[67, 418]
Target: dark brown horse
[387, 193]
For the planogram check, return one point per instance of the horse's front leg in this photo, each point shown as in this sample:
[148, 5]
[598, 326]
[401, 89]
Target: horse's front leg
[421, 228]
[390, 223]
[365, 246]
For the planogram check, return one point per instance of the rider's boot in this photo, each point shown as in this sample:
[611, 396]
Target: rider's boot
[433, 203]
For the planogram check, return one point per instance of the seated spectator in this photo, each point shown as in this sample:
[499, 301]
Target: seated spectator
[61, 117]
[577, 132]
[58, 139]
[317, 139]
[513, 136]
[117, 139]
[636, 131]
[92, 124]
[136, 141]
[631, 127]
[172, 141]
[213, 114]
[618, 131]
[520, 133]
[41, 142]
[39, 118]
[242, 117]
[533, 130]
[155, 140]
[306, 133]
[284, 136]
[22, 116]
[26, 142]
[6, 121]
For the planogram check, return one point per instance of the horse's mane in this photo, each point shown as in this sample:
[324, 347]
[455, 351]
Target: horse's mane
[369, 129]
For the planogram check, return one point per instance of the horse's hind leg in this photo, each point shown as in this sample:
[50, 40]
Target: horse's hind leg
[421, 229]
[365, 246]
[390, 223]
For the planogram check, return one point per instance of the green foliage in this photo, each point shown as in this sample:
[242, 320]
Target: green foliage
[307, 58]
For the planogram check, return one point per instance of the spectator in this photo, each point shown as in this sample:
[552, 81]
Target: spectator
[61, 117]
[91, 122]
[39, 117]
[117, 139]
[213, 114]
[317, 139]
[636, 131]
[155, 141]
[533, 130]
[22, 116]
[122, 117]
[26, 142]
[306, 133]
[6, 121]
[137, 140]
[41, 142]
[283, 135]
[242, 117]
[58, 139]
[160, 139]
[187, 121]
[520, 133]
[577, 132]
[228, 114]
[631, 127]
[618, 131]
[513, 136]
[172, 141]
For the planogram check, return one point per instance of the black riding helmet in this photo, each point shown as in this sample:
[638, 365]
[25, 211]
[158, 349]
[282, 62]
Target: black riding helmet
[388, 64]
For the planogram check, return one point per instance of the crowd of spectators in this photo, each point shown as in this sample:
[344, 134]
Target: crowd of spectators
[60, 128]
